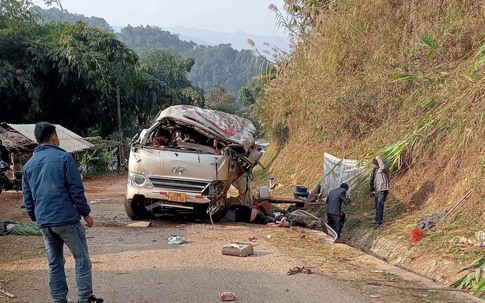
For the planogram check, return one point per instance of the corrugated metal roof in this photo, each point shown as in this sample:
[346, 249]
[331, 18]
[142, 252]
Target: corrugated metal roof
[70, 141]
[12, 139]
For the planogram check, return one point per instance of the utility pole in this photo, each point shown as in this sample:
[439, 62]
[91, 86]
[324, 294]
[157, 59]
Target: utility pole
[120, 132]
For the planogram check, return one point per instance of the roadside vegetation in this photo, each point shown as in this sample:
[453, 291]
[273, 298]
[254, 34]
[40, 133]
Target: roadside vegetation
[400, 79]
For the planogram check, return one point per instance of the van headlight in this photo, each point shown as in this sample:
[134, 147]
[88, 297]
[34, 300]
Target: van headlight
[139, 180]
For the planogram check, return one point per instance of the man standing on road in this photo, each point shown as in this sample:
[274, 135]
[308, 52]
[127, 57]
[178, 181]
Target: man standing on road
[379, 187]
[334, 201]
[53, 195]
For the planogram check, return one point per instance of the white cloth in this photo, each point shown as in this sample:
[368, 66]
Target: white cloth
[337, 171]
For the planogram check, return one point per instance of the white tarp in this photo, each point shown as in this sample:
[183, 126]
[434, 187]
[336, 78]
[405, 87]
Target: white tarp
[336, 171]
[223, 125]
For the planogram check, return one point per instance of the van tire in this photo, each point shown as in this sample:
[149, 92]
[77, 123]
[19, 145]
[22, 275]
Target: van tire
[135, 210]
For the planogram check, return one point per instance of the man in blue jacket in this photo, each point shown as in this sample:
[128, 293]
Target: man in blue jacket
[53, 195]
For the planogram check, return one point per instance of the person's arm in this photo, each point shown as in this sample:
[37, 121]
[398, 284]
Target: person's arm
[28, 199]
[371, 183]
[345, 199]
[76, 188]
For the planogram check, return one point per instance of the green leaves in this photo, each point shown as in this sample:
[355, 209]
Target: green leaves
[401, 77]
[475, 279]
[220, 99]
[427, 41]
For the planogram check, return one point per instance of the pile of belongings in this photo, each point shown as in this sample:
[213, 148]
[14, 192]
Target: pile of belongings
[305, 219]
[22, 229]
[430, 221]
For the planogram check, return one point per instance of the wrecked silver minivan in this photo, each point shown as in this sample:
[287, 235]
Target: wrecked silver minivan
[189, 158]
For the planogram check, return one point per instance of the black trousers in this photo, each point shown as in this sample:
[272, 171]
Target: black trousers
[336, 222]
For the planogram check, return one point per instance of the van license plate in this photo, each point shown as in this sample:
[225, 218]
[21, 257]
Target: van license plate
[177, 197]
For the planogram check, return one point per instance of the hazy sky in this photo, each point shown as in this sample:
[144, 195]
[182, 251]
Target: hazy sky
[251, 16]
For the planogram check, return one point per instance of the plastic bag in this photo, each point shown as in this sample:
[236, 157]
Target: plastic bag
[176, 240]
[416, 235]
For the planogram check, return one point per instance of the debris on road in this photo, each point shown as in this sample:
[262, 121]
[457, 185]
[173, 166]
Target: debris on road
[305, 219]
[175, 240]
[100, 200]
[227, 296]
[139, 224]
[20, 229]
[296, 270]
[6, 292]
[238, 249]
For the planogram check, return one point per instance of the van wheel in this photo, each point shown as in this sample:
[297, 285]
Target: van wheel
[135, 210]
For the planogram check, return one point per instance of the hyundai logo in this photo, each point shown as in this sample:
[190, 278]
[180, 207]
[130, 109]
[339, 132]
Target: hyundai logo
[179, 170]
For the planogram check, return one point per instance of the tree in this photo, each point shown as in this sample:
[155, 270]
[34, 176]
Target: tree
[171, 70]
[62, 68]
[220, 99]
[55, 15]
[18, 14]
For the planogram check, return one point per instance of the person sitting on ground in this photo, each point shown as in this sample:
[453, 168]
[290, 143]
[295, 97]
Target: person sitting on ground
[160, 139]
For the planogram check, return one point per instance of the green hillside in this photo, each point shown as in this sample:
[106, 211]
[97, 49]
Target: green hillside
[219, 65]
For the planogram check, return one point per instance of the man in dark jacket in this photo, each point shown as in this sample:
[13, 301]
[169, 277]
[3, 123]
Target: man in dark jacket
[334, 201]
[53, 195]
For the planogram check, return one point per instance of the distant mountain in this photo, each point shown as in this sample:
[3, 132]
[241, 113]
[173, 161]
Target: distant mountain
[118, 28]
[56, 15]
[238, 40]
[217, 65]
[221, 59]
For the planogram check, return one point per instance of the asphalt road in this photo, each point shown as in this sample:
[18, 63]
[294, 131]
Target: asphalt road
[138, 265]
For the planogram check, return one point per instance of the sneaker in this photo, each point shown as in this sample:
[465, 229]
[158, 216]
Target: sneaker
[376, 226]
[93, 299]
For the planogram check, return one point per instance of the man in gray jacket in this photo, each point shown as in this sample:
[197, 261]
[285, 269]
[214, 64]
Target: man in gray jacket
[379, 187]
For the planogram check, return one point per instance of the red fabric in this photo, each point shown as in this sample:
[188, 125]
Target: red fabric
[416, 235]
[159, 141]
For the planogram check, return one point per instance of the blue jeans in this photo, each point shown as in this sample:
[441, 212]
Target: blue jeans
[379, 199]
[74, 237]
